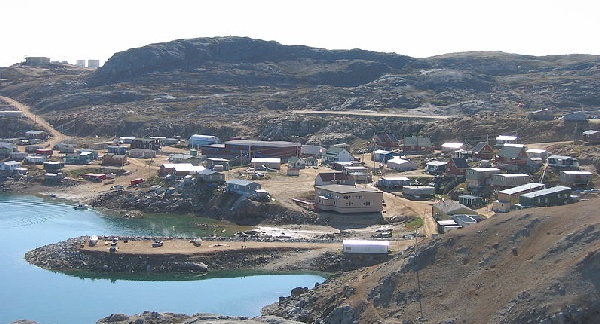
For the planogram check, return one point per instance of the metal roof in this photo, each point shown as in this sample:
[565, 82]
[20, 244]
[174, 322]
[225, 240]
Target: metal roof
[544, 192]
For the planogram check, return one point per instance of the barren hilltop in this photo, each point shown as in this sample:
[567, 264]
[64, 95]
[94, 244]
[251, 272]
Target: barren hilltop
[235, 86]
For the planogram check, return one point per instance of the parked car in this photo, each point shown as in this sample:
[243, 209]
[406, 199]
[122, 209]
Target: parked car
[157, 243]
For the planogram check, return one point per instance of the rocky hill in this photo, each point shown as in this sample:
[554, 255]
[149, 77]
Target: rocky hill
[234, 86]
[538, 265]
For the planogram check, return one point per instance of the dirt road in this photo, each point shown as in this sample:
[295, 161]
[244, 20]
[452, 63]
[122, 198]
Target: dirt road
[55, 135]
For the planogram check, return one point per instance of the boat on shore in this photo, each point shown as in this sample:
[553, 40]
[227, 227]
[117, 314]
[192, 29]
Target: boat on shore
[81, 207]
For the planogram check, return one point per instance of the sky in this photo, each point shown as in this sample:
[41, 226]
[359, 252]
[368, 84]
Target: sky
[70, 30]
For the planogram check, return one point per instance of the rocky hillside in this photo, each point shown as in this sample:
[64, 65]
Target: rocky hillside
[537, 265]
[234, 86]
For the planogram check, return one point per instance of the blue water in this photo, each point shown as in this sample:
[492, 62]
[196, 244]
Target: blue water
[29, 292]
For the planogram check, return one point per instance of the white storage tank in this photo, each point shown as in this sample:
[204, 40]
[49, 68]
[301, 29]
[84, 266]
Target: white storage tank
[364, 246]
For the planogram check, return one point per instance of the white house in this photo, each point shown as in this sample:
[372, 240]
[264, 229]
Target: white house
[10, 166]
[505, 139]
[338, 154]
[364, 246]
[451, 147]
[197, 140]
[266, 163]
[400, 164]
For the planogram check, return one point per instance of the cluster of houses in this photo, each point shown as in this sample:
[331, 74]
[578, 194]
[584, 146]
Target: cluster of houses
[499, 172]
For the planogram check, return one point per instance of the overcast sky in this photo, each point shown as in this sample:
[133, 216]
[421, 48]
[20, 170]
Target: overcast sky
[67, 30]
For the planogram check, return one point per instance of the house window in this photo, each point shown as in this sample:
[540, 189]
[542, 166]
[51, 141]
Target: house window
[358, 196]
[347, 197]
[367, 203]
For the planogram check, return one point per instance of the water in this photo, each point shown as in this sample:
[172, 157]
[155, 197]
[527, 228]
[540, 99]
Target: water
[29, 292]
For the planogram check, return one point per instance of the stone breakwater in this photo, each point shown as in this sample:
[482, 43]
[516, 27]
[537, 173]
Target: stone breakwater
[70, 255]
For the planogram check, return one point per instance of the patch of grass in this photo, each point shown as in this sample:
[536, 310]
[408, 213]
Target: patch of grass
[414, 223]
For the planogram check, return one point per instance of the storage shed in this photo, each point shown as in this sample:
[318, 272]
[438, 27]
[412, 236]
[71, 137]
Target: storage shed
[364, 246]
[575, 178]
[554, 196]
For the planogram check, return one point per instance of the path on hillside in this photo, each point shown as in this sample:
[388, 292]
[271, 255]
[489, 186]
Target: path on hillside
[368, 113]
[55, 135]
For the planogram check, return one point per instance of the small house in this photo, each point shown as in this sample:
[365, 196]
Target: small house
[6, 149]
[211, 163]
[18, 156]
[114, 159]
[43, 151]
[575, 178]
[100, 146]
[65, 148]
[418, 192]
[312, 150]
[512, 155]
[360, 173]
[90, 155]
[95, 177]
[241, 186]
[348, 199]
[179, 169]
[77, 158]
[436, 167]
[385, 141]
[36, 134]
[296, 162]
[266, 163]
[364, 246]
[480, 177]
[561, 161]
[142, 153]
[401, 165]
[32, 148]
[509, 180]
[559, 195]
[450, 147]
[53, 167]
[457, 166]
[381, 156]
[471, 201]
[207, 175]
[540, 154]
[505, 139]
[116, 149]
[507, 198]
[483, 151]
[327, 178]
[36, 159]
[340, 166]
[446, 208]
[393, 182]
[183, 158]
[417, 144]
[591, 137]
[337, 154]
[465, 220]
[10, 166]
[145, 143]
[198, 140]
[446, 225]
